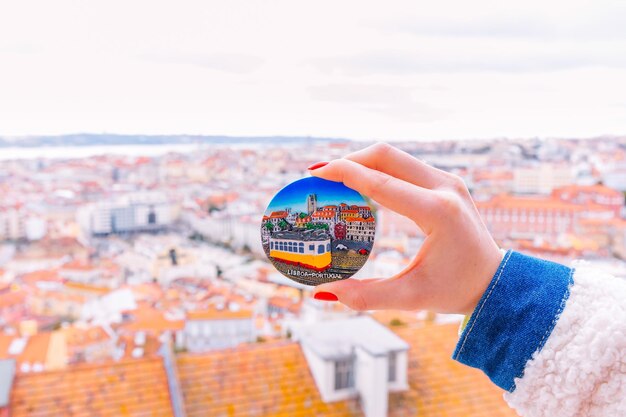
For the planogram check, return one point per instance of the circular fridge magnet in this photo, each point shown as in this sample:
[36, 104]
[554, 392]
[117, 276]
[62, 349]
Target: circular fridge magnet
[317, 231]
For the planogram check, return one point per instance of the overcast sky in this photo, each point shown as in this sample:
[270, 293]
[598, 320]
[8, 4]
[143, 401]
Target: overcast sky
[391, 70]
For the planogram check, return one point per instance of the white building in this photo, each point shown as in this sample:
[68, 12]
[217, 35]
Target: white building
[238, 232]
[145, 211]
[541, 179]
[615, 178]
[16, 223]
[218, 329]
[355, 357]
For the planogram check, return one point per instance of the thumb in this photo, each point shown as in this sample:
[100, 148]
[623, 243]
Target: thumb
[369, 294]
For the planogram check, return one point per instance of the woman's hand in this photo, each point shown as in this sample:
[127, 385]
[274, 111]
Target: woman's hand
[458, 257]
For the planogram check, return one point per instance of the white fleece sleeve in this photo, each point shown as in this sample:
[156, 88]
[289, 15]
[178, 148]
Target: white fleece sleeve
[581, 369]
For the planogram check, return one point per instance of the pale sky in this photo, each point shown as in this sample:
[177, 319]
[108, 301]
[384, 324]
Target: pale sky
[388, 70]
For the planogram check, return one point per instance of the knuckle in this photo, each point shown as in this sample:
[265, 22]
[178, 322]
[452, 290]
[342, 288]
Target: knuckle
[449, 202]
[458, 184]
[378, 183]
[358, 302]
[381, 148]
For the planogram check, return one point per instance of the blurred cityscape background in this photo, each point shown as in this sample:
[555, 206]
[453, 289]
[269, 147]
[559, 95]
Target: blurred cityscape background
[133, 280]
[132, 276]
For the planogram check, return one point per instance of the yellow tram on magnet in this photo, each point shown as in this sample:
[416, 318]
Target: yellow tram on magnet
[305, 248]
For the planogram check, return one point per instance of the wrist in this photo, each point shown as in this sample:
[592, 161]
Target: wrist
[484, 277]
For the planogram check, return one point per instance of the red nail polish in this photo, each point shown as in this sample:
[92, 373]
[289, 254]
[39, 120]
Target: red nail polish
[317, 165]
[325, 296]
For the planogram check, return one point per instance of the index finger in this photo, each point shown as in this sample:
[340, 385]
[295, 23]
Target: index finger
[397, 163]
[412, 201]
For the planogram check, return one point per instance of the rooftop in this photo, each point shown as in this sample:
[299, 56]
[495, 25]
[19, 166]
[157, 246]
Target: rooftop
[265, 379]
[439, 386]
[338, 338]
[127, 388]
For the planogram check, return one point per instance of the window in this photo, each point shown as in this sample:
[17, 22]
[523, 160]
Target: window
[344, 374]
[392, 366]
[311, 247]
[320, 249]
[328, 247]
[271, 245]
[301, 247]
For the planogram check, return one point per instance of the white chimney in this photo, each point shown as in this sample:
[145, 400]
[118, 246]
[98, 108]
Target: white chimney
[354, 357]
[371, 382]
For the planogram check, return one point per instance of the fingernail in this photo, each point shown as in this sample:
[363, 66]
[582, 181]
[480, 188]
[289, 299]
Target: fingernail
[317, 165]
[325, 296]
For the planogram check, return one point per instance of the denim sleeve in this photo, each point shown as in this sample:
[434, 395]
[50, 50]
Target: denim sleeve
[514, 317]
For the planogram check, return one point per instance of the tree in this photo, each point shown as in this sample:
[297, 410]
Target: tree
[283, 224]
[269, 226]
[310, 226]
[302, 215]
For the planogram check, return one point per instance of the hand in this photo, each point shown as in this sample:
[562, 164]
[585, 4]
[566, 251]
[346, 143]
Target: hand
[458, 257]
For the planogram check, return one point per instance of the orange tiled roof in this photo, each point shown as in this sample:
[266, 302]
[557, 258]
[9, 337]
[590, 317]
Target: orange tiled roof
[278, 214]
[78, 265]
[286, 303]
[42, 275]
[80, 337]
[12, 298]
[86, 288]
[150, 319]
[127, 388]
[264, 380]
[439, 386]
[325, 214]
[35, 349]
[149, 347]
[213, 314]
[535, 203]
[360, 219]
[596, 188]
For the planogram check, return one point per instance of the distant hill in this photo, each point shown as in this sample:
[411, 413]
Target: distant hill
[89, 139]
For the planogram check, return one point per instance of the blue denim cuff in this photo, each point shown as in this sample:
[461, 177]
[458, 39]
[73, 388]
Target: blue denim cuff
[514, 317]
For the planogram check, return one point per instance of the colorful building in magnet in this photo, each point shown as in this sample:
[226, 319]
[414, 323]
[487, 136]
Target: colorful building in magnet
[360, 229]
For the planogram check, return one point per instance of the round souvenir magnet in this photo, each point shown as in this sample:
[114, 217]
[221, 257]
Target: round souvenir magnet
[316, 231]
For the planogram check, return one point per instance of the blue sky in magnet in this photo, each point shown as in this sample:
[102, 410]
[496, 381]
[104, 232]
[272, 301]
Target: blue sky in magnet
[328, 193]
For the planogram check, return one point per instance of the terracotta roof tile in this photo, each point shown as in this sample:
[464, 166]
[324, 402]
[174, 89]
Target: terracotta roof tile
[127, 388]
[213, 314]
[262, 380]
[151, 320]
[360, 219]
[278, 215]
[439, 386]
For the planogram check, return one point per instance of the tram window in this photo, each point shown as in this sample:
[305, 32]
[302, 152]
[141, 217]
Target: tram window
[311, 247]
[320, 248]
[328, 247]
[271, 245]
[282, 245]
[301, 247]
